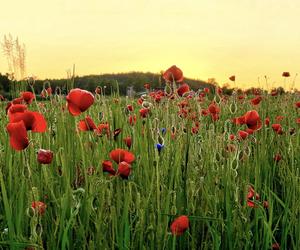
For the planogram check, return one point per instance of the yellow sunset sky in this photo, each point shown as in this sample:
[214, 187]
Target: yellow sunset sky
[205, 38]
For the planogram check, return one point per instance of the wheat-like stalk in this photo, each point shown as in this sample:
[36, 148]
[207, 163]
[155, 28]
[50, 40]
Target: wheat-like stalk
[15, 56]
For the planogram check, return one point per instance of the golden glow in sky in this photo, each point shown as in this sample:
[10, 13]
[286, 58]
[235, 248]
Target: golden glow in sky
[205, 38]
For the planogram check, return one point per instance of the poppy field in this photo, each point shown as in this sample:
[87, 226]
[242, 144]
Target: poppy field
[171, 169]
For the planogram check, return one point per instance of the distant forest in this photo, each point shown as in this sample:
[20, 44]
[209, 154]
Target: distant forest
[107, 81]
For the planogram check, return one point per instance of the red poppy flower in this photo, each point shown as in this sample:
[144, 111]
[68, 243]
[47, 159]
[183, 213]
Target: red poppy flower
[214, 117]
[124, 169]
[144, 112]
[157, 98]
[213, 108]
[184, 88]
[33, 121]
[252, 120]
[102, 129]
[243, 134]
[204, 112]
[232, 78]
[298, 120]
[27, 96]
[173, 74]
[252, 196]
[128, 141]
[231, 137]
[277, 157]
[79, 101]
[39, 207]
[46, 92]
[87, 124]
[147, 86]
[286, 74]
[18, 135]
[130, 108]
[179, 225]
[195, 130]
[279, 118]
[140, 101]
[206, 90]
[119, 155]
[267, 121]
[15, 108]
[44, 156]
[256, 100]
[107, 167]
[18, 100]
[297, 104]
[238, 120]
[250, 131]
[277, 128]
[132, 120]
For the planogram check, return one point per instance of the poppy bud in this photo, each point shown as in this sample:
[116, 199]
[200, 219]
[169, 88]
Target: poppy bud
[44, 156]
[179, 225]
[232, 78]
[128, 141]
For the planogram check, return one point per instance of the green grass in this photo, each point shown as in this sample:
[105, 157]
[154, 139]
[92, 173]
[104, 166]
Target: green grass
[193, 175]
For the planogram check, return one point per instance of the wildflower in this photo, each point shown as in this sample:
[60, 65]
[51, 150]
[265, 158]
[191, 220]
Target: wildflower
[277, 128]
[159, 147]
[87, 124]
[119, 155]
[256, 100]
[252, 196]
[184, 88]
[107, 166]
[252, 120]
[243, 134]
[39, 207]
[128, 141]
[18, 135]
[33, 121]
[173, 74]
[179, 225]
[124, 169]
[78, 101]
[27, 96]
[44, 156]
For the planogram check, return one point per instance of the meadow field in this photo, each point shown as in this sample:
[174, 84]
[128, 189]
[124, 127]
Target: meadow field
[172, 169]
